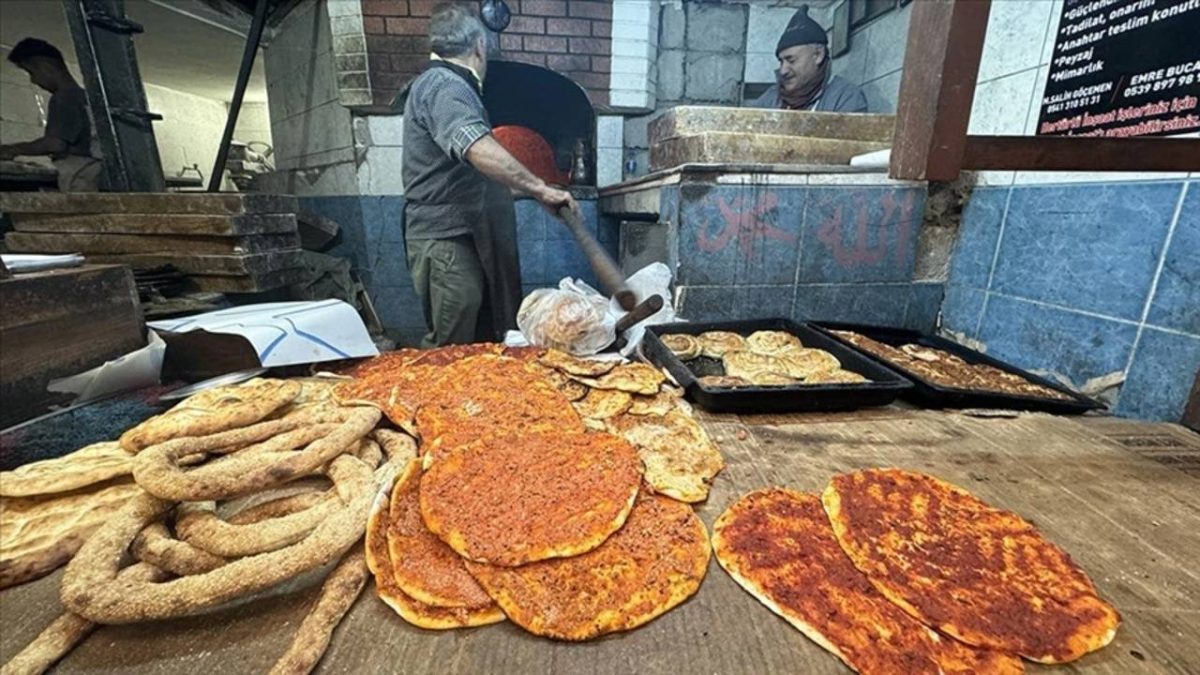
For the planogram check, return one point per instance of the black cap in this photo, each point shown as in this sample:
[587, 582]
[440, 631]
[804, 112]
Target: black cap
[801, 30]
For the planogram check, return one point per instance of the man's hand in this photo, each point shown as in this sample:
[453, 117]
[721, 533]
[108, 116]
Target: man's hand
[554, 199]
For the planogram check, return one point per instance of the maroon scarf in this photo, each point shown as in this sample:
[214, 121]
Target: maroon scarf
[802, 99]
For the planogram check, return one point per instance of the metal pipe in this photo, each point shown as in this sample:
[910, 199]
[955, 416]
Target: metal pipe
[239, 92]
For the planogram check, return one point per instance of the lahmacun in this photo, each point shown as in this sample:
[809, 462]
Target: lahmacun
[424, 568]
[414, 612]
[514, 499]
[777, 544]
[652, 564]
[981, 574]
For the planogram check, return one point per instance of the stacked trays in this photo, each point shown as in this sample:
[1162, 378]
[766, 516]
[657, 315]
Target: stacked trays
[882, 387]
[931, 394]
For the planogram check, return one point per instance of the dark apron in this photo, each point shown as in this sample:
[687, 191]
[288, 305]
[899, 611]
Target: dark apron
[496, 243]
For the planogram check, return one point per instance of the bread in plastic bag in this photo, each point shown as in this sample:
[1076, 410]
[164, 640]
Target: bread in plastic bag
[573, 318]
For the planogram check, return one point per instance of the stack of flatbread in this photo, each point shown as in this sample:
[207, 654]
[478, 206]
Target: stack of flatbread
[954, 585]
[768, 358]
[48, 508]
[550, 490]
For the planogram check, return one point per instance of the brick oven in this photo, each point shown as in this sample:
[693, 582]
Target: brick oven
[570, 37]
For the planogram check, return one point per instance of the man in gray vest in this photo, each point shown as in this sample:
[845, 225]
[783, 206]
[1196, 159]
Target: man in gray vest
[460, 226]
[804, 80]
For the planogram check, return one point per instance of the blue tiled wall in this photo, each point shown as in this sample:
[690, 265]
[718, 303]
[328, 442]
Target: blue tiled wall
[842, 253]
[1086, 280]
[371, 238]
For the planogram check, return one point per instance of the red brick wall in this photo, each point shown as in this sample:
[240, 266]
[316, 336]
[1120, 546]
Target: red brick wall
[572, 37]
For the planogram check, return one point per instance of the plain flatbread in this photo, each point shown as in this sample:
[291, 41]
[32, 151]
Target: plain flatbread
[652, 564]
[86, 466]
[601, 404]
[981, 574]
[212, 411]
[634, 378]
[39, 534]
[514, 499]
[573, 365]
[778, 545]
[681, 460]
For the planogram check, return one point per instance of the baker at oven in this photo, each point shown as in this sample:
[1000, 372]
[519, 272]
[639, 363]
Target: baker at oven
[803, 79]
[460, 228]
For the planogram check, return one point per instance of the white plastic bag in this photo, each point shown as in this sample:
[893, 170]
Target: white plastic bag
[573, 318]
[653, 279]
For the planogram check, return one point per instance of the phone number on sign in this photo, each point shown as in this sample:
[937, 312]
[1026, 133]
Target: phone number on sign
[1160, 85]
[1073, 104]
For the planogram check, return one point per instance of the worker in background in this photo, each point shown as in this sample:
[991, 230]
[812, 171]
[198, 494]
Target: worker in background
[460, 223]
[804, 81]
[67, 139]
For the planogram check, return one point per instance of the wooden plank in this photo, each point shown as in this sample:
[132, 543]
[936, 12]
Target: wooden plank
[1131, 523]
[155, 223]
[688, 120]
[145, 202]
[945, 42]
[238, 265]
[722, 147]
[1074, 153]
[30, 242]
[213, 283]
[60, 323]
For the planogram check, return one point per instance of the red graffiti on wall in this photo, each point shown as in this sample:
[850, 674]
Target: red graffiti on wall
[859, 250]
[749, 222]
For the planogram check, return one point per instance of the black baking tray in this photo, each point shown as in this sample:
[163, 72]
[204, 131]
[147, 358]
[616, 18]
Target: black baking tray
[885, 385]
[933, 395]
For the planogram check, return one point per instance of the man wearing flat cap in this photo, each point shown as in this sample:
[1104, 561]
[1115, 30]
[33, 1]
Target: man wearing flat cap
[804, 80]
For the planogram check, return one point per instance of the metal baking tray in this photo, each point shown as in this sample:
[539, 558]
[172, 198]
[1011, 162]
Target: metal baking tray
[885, 385]
[934, 395]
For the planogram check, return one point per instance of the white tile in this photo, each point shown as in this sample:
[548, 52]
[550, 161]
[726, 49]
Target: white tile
[886, 40]
[631, 30]
[1002, 105]
[331, 180]
[608, 166]
[760, 67]
[633, 10]
[882, 93]
[765, 26]
[1051, 32]
[880, 178]
[343, 8]
[994, 178]
[1035, 101]
[1048, 177]
[386, 129]
[625, 98]
[635, 47]
[346, 25]
[1015, 33]
[631, 65]
[610, 131]
[379, 173]
[627, 81]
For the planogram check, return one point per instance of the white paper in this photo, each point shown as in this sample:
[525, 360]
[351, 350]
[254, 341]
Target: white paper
[135, 370]
[287, 333]
[33, 262]
[876, 159]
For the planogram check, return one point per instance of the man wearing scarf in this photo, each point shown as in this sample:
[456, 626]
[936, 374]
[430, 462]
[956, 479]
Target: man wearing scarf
[460, 229]
[804, 81]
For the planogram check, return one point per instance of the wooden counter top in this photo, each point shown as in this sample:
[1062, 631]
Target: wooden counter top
[1123, 498]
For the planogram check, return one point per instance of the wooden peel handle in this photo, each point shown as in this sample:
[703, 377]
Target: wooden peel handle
[606, 269]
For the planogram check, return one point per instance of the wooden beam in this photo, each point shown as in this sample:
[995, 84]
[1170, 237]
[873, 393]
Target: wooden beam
[941, 63]
[1077, 153]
